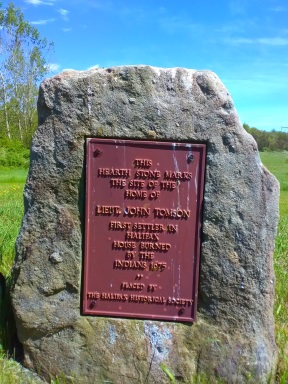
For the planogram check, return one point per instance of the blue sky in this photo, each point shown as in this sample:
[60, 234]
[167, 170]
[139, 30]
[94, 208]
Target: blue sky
[244, 42]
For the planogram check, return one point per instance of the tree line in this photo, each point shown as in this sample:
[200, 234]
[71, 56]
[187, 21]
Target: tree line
[268, 141]
[22, 67]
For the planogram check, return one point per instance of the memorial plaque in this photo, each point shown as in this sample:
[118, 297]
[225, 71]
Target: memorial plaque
[142, 228]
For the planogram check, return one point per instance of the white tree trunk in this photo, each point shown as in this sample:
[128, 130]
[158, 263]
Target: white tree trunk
[5, 106]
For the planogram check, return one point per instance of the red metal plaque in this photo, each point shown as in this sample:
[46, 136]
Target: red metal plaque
[142, 228]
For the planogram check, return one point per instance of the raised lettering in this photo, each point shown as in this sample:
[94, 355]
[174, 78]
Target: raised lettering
[131, 194]
[142, 163]
[136, 184]
[147, 299]
[154, 195]
[168, 185]
[113, 296]
[161, 247]
[152, 184]
[179, 301]
[147, 227]
[141, 174]
[157, 266]
[141, 236]
[114, 172]
[172, 228]
[151, 287]
[182, 176]
[130, 255]
[118, 183]
[166, 213]
[107, 210]
[117, 244]
[132, 286]
[146, 255]
[93, 295]
[129, 264]
[119, 226]
[137, 211]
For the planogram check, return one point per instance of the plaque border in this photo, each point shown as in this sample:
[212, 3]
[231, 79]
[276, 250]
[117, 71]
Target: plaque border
[199, 212]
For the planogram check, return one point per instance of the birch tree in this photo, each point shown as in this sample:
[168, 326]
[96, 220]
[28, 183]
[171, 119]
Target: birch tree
[22, 66]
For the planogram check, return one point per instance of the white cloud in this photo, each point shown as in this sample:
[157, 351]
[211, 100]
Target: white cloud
[88, 69]
[64, 13]
[278, 9]
[66, 29]
[68, 69]
[42, 22]
[175, 24]
[237, 7]
[239, 40]
[93, 67]
[274, 41]
[238, 26]
[53, 67]
[104, 5]
[140, 13]
[38, 2]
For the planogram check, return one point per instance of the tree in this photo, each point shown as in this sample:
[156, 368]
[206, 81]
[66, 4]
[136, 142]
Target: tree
[22, 66]
[268, 141]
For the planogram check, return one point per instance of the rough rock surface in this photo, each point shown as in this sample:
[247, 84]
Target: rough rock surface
[234, 335]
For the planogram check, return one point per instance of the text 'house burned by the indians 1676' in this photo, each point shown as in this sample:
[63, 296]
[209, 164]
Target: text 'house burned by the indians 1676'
[143, 213]
[141, 231]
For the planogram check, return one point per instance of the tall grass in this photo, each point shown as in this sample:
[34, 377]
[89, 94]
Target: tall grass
[281, 297]
[11, 212]
[12, 372]
[12, 175]
[13, 153]
[277, 163]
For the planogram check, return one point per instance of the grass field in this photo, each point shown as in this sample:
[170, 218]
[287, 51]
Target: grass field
[277, 163]
[11, 212]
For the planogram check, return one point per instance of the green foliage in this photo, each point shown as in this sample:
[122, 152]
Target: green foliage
[274, 161]
[167, 371]
[12, 372]
[62, 379]
[22, 66]
[13, 153]
[9, 175]
[281, 298]
[11, 212]
[268, 141]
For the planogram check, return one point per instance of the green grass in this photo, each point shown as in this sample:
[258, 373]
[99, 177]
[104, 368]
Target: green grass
[281, 298]
[12, 372]
[277, 163]
[11, 213]
[13, 175]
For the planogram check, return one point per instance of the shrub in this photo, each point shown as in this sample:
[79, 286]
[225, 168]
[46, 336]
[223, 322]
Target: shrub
[13, 153]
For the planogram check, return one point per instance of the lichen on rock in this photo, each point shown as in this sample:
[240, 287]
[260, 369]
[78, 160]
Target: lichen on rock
[234, 335]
